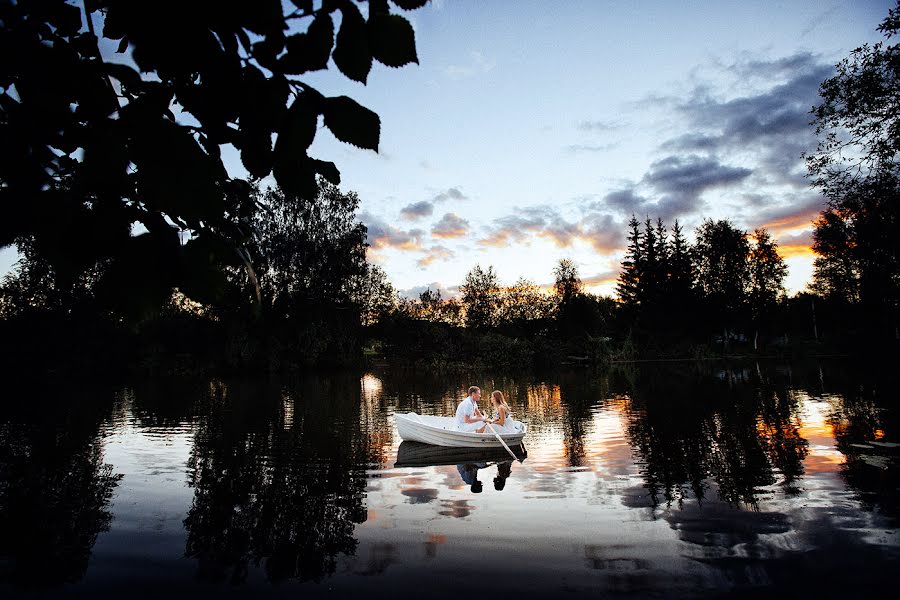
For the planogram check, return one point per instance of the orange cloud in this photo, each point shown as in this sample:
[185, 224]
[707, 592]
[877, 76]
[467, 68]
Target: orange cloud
[450, 226]
[798, 244]
[793, 217]
[433, 254]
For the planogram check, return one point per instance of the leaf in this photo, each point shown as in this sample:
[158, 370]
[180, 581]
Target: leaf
[303, 5]
[410, 4]
[267, 50]
[309, 51]
[296, 175]
[256, 154]
[123, 46]
[292, 169]
[299, 128]
[116, 20]
[125, 74]
[352, 54]
[392, 40]
[328, 170]
[352, 123]
[66, 18]
[175, 175]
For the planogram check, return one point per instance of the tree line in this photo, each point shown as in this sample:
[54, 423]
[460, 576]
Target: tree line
[136, 245]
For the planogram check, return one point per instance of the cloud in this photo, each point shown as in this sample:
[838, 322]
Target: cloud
[582, 148]
[679, 183]
[417, 210]
[517, 227]
[477, 65]
[598, 229]
[450, 226]
[626, 200]
[434, 254]
[451, 194]
[445, 292]
[795, 216]
[425, 208]
[602, 278]
[798, 244]
[690, 176]
[603, 233]
[773, 123]
[381, 236]
[599, 125]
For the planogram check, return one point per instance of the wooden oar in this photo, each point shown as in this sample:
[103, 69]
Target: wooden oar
[500, 439]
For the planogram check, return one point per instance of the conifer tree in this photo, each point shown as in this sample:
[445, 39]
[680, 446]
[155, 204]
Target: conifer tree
[630, 277]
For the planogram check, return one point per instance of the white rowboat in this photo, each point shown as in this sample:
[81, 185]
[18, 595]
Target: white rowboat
[441, 431]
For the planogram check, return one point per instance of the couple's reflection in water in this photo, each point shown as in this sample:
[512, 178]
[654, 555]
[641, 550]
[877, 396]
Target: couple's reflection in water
[469, 474]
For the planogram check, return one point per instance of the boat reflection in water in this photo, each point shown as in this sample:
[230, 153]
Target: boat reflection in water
[468, 461]
[417, 454]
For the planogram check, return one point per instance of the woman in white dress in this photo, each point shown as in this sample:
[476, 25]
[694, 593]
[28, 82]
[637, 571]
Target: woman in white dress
[503, 421]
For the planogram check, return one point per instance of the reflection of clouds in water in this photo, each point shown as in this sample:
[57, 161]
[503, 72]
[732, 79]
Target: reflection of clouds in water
[716, 523]
[451, 479]
[458, 509]
[417, 495]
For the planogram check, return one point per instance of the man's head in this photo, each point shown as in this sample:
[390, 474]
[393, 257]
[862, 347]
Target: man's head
[475, 393]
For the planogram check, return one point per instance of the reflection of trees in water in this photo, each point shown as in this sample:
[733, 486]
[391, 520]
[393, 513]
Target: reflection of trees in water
[54, 487]
[280, 479]
[734, 429]
[860, 426]
[579, 399]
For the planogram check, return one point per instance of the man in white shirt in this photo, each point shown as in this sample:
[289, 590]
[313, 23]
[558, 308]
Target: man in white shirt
[468, 417]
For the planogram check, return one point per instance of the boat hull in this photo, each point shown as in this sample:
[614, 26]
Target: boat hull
[441, 431]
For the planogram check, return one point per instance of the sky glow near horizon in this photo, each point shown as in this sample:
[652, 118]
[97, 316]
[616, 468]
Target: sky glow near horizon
[531, 131]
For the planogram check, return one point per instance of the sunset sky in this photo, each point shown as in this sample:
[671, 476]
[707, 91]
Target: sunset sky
[531, 131]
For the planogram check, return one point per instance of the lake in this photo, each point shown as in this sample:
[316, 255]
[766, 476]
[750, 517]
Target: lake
[674, 479]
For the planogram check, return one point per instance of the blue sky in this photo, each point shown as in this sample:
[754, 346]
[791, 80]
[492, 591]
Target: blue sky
[530, 131]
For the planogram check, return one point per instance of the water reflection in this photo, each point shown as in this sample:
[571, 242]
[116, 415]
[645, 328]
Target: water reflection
[55, 487]
[678, 479]
[689, 429]
[278, 480]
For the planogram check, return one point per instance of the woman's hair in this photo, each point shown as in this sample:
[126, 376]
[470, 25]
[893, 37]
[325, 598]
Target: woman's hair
[498, 395]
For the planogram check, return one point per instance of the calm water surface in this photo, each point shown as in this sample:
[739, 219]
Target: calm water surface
[680, 480]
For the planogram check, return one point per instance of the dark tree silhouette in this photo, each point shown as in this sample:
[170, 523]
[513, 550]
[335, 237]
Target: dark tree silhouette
[567, 284]
[856, 165]
[766, 282]
[681, 271]
[836, 272]
[55, 486]
[94, 142]
[480, 297]
[628, 286]
[309, 251]
[721, 254]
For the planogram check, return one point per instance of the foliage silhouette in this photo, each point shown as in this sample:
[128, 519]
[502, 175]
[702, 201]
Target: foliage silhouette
[856, 165]
[96, 142]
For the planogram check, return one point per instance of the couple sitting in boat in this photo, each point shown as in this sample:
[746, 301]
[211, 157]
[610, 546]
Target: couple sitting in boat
[470, 418]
